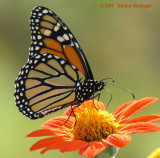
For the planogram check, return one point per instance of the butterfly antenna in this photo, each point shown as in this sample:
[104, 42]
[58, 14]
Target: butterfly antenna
[122, 88]
[111, 96]
[108, 79]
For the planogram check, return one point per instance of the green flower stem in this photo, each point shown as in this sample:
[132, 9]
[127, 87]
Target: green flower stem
[109, 152]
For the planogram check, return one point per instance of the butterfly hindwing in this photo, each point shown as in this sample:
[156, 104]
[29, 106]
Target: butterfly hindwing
[46, 84]
[50, 35]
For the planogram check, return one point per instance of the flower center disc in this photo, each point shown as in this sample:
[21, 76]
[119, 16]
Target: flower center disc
[93, 124]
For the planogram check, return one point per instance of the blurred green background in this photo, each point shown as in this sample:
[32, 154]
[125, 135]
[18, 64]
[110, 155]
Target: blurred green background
[119, 43]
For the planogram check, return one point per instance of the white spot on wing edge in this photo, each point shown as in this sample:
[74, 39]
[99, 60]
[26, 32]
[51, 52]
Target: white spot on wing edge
[38, 56]
[56, 28]
[47, 32]
[57, 57]
[58, 24]
[39, 36]
[45, 11]
[65, 36]
[62, 61]
[37, 20]
[60, 39]
[73, 67]
[49, 56]
[37, 48]
[70, 35]
[65, 28]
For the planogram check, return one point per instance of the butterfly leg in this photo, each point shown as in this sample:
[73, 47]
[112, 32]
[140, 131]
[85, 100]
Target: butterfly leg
[111, 95]
[98, 94]
[76, 105]
[94, 96]
[74, 113]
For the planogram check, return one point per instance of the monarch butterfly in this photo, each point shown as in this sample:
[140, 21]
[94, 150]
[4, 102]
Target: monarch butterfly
[57, 73]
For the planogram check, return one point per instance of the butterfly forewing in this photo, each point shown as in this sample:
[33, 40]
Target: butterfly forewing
[50, 35]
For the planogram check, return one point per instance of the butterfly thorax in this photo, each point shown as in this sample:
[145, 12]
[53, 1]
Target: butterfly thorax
[87, 88]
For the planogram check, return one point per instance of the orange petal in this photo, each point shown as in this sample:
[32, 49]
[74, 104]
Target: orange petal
[56, 141]
[41, 132]
[118, 140]
[57, 125]
[58, 122]
[146, 118]
[44, 150]
[136, 107]
[122, 108]
[92, 149]
[72, 145]
[69, 112]
[101, 106]
[90, 103]
[140, 128]
[59, 131]
[53, 146]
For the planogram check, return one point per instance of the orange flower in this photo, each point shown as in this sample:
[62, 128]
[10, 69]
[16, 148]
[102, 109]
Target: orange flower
[94, 129]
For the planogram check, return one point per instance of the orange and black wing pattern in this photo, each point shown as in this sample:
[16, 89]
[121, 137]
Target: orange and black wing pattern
[46, 84]
[50, 35]
[55, 67]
